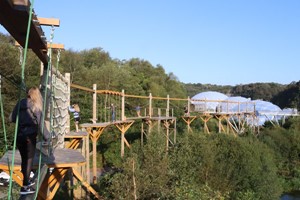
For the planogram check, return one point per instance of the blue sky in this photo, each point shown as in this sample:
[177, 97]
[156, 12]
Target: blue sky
[224, 42]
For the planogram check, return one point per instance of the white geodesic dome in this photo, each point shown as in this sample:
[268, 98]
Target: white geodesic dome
[289, 111]
[207, 101]
[236, 104]
[266, 106]
[212, 101]
[266, 111]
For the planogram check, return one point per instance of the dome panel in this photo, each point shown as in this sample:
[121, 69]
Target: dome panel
[236, 104]
[207, 101]
[266, 111]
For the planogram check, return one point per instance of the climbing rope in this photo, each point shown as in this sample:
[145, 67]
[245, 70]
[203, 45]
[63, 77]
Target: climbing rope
[2, 117]
[44, 111]
[3, 124]
[22, 85]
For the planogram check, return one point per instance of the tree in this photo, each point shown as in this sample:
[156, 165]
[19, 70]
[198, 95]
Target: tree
[286, 145]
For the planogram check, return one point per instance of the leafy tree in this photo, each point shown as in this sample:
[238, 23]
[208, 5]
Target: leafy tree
[286, 145]
[288, 98]
[264, 91]
[195, 88]
[145, 173]
[230, 166]
[95, 57]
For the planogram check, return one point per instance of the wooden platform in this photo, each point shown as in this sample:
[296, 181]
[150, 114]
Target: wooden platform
[74, 134]
[62, 161]
[60, 158]
[104, 124]
[75, 139]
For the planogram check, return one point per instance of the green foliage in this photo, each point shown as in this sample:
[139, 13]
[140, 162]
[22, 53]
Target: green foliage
[286, 146]
[145, 172]
[232, 166]
[264, 91]
[288, 98]
[195, 88]
[200, 166]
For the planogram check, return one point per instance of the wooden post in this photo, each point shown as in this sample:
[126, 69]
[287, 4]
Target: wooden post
[158, 125]
[168, 106]
[150, 105]
[123, 127]
[87, 158]
[94, 103]
[94, 141]
[123, 106]
[167, 125]
[175, 130]
[142, 133]
[122, 143]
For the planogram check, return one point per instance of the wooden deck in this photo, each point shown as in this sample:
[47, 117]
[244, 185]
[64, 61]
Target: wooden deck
[60, 158]
[62, 161]
[104, 124]
[74, 134]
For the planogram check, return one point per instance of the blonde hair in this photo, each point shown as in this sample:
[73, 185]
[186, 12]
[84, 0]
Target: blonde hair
[35, 96]
[76, 108]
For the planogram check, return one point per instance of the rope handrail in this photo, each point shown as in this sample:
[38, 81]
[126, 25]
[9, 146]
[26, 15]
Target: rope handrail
[136, 96]
[157, 98]
[81, 87]
[108, 92]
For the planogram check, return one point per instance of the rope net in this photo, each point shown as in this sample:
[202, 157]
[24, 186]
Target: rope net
[59, 107]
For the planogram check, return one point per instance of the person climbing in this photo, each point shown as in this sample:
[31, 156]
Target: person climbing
[76, 114]
[29, 113]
